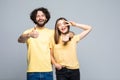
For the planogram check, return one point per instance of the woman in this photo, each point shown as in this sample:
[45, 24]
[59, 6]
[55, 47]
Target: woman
[64, 55]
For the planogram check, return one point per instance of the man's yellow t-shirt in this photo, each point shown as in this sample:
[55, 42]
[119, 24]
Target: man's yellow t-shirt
[66, 54]
[38, 56]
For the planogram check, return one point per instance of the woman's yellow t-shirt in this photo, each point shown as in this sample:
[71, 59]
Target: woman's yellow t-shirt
[66, 54]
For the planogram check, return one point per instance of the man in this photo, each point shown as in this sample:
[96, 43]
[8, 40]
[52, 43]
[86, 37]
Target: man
[38, 40]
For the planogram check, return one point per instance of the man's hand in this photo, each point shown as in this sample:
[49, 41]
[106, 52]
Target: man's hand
[34, 33]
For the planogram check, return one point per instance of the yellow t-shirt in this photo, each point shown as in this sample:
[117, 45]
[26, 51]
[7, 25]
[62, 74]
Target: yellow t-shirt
[66, 54]
[38, 57]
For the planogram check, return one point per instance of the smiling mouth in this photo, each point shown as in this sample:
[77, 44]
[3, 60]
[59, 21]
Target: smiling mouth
[40, 20]
[63, 29]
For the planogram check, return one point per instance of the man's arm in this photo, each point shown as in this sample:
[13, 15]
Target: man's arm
[23, 38]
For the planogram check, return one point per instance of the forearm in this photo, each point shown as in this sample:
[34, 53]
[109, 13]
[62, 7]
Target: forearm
[86, 29]
[53, 60]
[58, 66]
[52, 57]
[83, 26]
[23, 38]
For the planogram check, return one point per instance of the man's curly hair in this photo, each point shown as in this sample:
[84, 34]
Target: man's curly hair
[34, 13]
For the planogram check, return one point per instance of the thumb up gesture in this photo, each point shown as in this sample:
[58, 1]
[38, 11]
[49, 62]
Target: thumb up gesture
[34, 33]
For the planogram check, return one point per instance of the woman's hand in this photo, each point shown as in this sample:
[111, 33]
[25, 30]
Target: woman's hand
[70, 23]
[58, 66]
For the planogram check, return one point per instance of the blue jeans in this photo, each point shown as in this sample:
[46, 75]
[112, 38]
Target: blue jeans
[39, 75]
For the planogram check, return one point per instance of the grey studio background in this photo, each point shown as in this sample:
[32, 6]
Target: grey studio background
[98, 53]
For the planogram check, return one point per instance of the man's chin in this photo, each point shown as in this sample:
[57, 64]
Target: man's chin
[40, 25]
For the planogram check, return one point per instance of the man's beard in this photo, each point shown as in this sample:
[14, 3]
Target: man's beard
[41, 24]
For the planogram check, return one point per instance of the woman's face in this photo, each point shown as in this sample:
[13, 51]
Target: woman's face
[62, 25]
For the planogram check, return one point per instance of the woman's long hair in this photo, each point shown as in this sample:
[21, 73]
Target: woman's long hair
[57, 32]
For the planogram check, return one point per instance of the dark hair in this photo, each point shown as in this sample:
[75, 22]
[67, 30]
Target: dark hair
[57, 32]
[34, 13]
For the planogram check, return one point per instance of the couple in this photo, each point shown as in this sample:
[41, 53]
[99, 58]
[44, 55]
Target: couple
[57, 47]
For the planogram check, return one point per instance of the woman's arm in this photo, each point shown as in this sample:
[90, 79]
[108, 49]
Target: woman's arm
[86, 28]
[58, 66]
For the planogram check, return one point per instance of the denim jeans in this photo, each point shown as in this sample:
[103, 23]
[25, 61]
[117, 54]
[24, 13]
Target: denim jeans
[68, 74]
[39, 75]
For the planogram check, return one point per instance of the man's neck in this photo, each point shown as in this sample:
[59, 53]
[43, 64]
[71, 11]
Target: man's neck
[39, 27]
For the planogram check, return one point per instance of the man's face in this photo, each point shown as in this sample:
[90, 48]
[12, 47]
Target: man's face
[40, 19]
